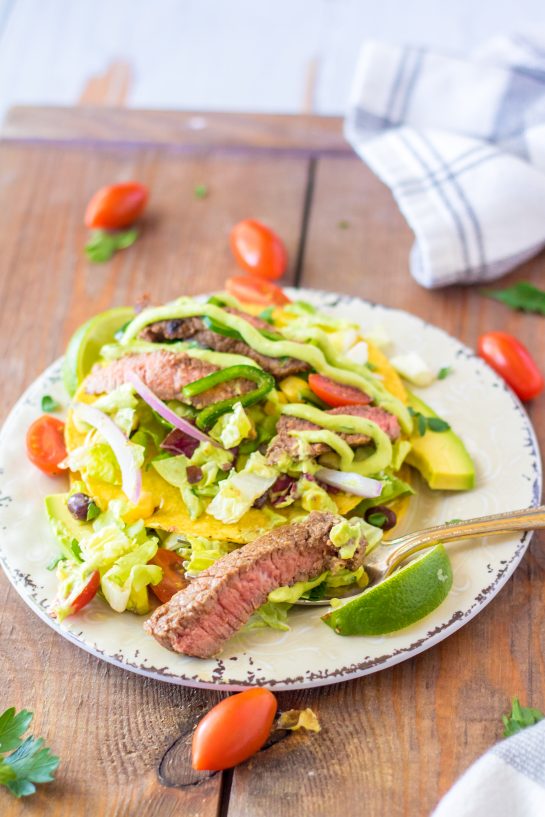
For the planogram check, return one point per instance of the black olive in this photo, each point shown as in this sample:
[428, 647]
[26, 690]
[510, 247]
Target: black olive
[382, 511]
[78, 505]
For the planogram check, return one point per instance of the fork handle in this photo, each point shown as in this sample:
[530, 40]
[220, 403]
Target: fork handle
[528, 519]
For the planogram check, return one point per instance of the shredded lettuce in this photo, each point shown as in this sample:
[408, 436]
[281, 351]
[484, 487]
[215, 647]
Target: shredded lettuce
[295, 591]
[232, 427]
[125, 583]
[210, 459]
[239, 491]
[199, 552]
[348, 534]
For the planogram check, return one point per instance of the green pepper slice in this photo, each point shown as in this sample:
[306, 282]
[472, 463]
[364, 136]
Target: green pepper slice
[221, 329]
[207, 417]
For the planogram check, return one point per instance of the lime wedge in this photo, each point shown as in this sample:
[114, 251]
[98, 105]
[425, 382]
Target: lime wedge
[85, 344]
[405, 597]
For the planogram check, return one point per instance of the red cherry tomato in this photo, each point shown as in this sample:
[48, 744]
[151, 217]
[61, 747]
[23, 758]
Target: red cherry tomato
[173, 574]
[116, 206]
[336, 394]
[255, 291]
[88, 592]
[258, 250]
[45, 444]
[512, 361]
[233, 730]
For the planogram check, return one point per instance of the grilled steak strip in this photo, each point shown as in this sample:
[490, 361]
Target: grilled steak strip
[283, 443]
[195, 329]
[199, 619]
[165, 373]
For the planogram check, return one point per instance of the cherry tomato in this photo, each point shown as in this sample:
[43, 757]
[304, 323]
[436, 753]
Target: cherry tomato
[258, 250]
[116, 206]
[45, 444]
[233, 730]
[88, 592]
[255, 291]
[512, 361]
[173, 574]
[336, 394]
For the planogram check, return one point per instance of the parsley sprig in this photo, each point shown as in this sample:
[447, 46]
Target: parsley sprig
[520, 718]
[524, 296]
[424, 424]
[30, 761]
[102, 244]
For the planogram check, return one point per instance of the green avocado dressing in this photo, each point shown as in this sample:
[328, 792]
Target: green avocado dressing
[346, 424]
[315, 357]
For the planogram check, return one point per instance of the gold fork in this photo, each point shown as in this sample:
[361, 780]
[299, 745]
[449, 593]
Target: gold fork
[389, 555]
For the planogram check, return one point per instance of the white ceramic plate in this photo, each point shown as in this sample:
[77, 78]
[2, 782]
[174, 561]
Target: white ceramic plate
[497, 433]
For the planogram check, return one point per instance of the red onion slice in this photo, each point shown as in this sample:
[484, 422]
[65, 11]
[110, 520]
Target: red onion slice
[167, 414]
[130, 473]
[350, 482]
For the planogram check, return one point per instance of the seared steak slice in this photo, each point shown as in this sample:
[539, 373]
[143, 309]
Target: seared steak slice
[199, 619]
[195, 329]
[283, 443]
[165, 373]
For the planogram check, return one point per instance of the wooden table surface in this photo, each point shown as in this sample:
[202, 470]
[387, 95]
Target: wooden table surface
[392, 743]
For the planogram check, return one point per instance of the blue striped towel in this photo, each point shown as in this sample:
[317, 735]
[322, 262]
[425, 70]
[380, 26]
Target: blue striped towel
[508, 781]
[461, 144]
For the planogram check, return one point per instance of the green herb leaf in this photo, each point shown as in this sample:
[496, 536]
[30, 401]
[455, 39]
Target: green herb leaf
[444, 372]
[421, 424]
[102, 244]
[200, 191]
[12, 726]
[267, 314]
[55, 561]
[48, 404]
[343, 224]
[520, 718]
[92, 511]
[30, 762]
[377, 519]
[523, 295]
[453, 521]
[436, 424]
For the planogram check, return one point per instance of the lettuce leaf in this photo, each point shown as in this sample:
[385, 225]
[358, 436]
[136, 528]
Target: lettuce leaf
[125, 584]
[232, 427]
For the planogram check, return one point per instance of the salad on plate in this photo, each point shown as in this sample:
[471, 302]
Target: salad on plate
[227, 459]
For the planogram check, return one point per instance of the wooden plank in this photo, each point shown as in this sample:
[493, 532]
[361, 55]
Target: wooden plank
[192, 131]
[394, 742]
[117, 734]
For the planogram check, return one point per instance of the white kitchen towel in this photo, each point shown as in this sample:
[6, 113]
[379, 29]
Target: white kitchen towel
[508, 781]
[461, 144]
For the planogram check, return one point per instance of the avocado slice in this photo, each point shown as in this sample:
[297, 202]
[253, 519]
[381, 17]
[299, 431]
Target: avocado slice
[64, 526]
[440, 456]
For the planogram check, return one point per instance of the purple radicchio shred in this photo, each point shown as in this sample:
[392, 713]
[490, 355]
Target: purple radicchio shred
[178, 442]
[283, 489]
[194, 474]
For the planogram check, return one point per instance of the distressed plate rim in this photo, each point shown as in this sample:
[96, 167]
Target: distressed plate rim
[23, 584]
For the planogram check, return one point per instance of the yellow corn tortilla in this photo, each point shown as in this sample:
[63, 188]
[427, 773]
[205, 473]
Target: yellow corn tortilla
[161, 505]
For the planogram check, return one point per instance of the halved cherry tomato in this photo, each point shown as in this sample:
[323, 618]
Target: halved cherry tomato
[116, 206]
[512, 361]
[173, 574]
[336, 394]
[258, 250]
[233, 730]
[45, 444]
[255, 291]
[88, 592]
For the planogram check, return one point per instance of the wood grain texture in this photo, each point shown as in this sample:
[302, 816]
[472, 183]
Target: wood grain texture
[391, 743]
[191, 131]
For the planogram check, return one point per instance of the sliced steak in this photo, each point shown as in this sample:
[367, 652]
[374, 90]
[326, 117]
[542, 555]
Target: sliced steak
[165, 373]
[195, 329]
[199, 619]
[283, 443]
